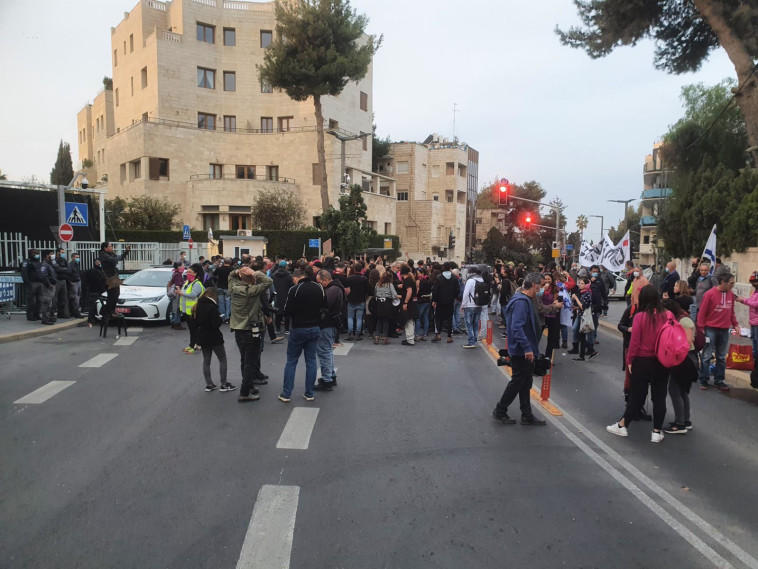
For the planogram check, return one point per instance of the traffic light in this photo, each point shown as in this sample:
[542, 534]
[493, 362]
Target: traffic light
[451, 242]
[502, 193]
[528, 220]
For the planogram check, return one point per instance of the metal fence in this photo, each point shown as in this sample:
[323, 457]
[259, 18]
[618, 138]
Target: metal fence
[14, 248]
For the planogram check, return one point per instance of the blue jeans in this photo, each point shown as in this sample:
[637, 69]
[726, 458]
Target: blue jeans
[422, 322]
[301, 340]
[325, 350]
[589, 337]
[754, 337]
[457, 315]
[355, 311]
[719, 343]
[472, 323]
[224, 303]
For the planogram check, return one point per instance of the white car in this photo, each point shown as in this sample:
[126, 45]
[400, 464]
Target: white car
[620, 290]
[143, 295]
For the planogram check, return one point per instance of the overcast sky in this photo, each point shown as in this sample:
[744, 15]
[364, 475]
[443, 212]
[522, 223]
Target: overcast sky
[534, 109]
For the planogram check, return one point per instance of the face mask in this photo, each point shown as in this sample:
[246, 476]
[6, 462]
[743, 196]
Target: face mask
[36, 257]
[595, 275]
[74, 259]
[667, 269]
[190, 278]
[63, 255]
[540, 292]
[636, 273]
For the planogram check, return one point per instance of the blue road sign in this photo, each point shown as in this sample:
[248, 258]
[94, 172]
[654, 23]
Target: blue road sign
[77, 213]
[186, 232]
[314, 243]
[7, 292]
[569, 247]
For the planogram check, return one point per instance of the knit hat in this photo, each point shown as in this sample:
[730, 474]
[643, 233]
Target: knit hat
[282, 263]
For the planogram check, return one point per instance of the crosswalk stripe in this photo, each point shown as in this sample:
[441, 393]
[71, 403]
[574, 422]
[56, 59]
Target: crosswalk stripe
[128, 341]
[342, 350]
[297, 431]
[268, 541]
[99, 360]
[44, 393]
[135, 329]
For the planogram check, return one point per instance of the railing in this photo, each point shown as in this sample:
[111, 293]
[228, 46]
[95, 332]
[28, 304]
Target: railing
[264, 178]
[211, 3]
[156, 5]
[254, 6]
[219, 128]
[171, 36]
[14, 248]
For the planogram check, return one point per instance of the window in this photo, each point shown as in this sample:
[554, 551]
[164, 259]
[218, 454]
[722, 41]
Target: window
[266, 88]
[230, 81]
[449, 196]
[144, 77]
[124, 47]
[206, 121]
[210, 221]
[115, 58]
[122, 173]
[206, 78]
[365, 143]
[136, 168]
[272, 173]
[333, 124]
[144, 117]
[266, 37]
[364, 101]
[450, 168]
[267, 124]
[245, 172]
[132, 84]
[116, 92]
[239, 222]
[436, 197]
[461, 170]
[478, 220]
[402, 167]
[387, 228]
[402, 196]
[646, 239]
[206, 33]
[131, 43]
[283, 123]
[216, 171]
[158, 168]
[230, 123]
[384, 190]
[230, 36]
[316, 173]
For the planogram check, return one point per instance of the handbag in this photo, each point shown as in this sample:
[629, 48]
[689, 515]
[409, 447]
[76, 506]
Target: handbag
[586, 326]
[740, 357]
[170, 290]
[112, 282]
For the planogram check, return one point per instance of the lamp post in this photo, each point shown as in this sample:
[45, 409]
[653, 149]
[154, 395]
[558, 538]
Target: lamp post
[602, 225]
[343, 138]
[626, 208]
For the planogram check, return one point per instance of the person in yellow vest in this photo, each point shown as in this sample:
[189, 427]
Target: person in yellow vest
[188, 294]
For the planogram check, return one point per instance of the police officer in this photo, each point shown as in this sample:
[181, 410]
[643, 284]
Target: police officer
[49, 279]
[63, 276]
[35, 283]
[75, 287]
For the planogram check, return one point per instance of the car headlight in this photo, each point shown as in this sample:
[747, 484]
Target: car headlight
[154, 299]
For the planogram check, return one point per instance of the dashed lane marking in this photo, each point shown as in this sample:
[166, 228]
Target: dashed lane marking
[99, 360]
[268, 542]
[297, 432]
[127, 341]
[44, 393]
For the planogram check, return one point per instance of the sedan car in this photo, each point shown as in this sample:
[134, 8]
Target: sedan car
[620, 290]
[143, 295]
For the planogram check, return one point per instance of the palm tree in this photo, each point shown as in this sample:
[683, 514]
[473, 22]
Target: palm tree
[581, 224]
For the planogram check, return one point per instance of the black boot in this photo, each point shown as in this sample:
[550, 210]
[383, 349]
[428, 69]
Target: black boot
[574, 349]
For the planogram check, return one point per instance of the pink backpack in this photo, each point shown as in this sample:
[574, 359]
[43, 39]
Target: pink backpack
[671, 345]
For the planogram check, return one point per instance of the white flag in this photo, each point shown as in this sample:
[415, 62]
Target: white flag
[589, 255]
[613, 256]
[710, 249]
[626, 246]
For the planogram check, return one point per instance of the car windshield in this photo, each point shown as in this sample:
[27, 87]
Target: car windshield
[157, 278]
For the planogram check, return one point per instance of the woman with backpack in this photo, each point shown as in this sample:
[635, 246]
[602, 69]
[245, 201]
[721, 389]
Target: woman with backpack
[682, 376]
[385, 310]
[208, 322]
[643, 365]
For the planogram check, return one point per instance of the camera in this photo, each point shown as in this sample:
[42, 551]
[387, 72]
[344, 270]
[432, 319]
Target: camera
[541, 366]
[505, 358]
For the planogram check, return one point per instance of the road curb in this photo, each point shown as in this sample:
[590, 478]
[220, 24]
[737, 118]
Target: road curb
[738, 378]
[41, 331]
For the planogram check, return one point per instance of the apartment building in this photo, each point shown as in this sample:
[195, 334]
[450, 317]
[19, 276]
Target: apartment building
[436, 196]
[188, 119]
[655, 191]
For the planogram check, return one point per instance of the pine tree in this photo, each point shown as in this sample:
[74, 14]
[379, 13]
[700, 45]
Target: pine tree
[63, 171]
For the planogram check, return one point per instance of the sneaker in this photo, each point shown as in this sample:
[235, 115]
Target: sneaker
[703, 386]
[350, 338]
[406, 343]
[503, 418]
[260, 382]
[656, 437]
[261, 376]
[564, 345]
[594, 354]
[503, 335]
[286, 332]
[322, 385]
[308, 397]
[211, 387]
[532, 420]
[615, 429]
[189, 351]
[227, 387]
[277, 340]
[675, 429]
[469, 346]
[578, 359]
[721, 386]
[249, 397]
[688, 425]
[283, 399]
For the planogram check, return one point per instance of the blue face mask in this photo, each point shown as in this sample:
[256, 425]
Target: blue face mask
[36, 257]
[540, 292]
[595, 275]
[63, 255]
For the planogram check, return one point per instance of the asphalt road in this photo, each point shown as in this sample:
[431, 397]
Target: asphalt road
[401, 466]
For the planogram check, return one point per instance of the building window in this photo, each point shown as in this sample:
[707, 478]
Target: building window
[364, 101]
[132, 84]
[230, 81]
[402, 167]
[450, 168]
[316, 174]
[402, 196]
[230, 36]
[368, 224]
[144, 117]
[230, 123]
[239, 222]
[365, 143]
[646, 239]
[384, 190]
[246, 172]
[131, 43]
[206, 33]
[210, 221]
[461, 170]
[124, 47]
[272, 173]
[478, 220]
[136, 168]
[143, 73]
[267, 124]
[283, 123]
[436, 197]
[158, 168]
[266, 37]
[116, 93]
[206, 121]
[387, 228]
[216, 171]
[206, 78]
[449, 196]
[122, 173]
[333, 124]
[115, 58]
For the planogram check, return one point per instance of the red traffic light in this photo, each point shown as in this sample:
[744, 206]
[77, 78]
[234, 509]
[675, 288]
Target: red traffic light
[528, 218]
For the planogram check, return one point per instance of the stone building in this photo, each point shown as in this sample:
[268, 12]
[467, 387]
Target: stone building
[188, 119]
[656, 189]
[436, 195]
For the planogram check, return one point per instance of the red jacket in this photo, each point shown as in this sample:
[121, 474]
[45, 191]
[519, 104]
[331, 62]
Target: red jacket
[717, 310]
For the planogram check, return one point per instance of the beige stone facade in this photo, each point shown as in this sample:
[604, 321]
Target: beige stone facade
[656, 189]
[189, 119]
[436, 193]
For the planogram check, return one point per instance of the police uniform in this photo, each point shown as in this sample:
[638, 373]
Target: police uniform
[35, 282]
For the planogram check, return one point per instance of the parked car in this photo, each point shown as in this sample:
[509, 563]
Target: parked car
[143, 295]
[618, 292]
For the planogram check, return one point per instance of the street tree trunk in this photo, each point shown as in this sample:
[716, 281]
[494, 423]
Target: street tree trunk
[321, 149]
[747, 97]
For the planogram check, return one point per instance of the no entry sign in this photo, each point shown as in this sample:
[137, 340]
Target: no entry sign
[66, 232]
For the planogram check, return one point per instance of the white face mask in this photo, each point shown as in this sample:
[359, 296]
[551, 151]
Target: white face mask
[636, 273]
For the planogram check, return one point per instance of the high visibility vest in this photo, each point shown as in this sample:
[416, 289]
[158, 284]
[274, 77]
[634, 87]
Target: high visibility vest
[186, 304]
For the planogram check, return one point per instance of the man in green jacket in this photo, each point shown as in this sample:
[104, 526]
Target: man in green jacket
[247, 320]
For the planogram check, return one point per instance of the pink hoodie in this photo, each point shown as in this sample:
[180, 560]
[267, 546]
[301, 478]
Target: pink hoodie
[717, 310]
[752, 302]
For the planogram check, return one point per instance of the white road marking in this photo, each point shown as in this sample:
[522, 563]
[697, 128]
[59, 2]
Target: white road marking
[99, 360]
[268, 542]
[135, 329]
[343, 350]
[297, 431]
[126, 341]
[44, 393]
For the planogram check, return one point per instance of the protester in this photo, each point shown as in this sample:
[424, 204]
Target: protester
[424, 304]
[408, 305]
[222, 286]
[672, 277]
[357, 292]
[714, 317]
[188, 294]
[682, 376]
[444, 293]
[334, 298]
[386, 297]
[177, 280]
[208, 323]
[550, 294]
[703, 284]
[752, 302]
[109, 262]
[582, 320]
[94, 280]
[472, 310]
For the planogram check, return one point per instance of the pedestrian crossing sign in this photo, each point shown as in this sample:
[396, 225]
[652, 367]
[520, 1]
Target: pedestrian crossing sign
[77, 213]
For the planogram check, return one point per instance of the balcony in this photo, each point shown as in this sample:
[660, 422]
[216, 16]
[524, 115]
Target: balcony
[233, 177]
[656, 194]
[648, 220]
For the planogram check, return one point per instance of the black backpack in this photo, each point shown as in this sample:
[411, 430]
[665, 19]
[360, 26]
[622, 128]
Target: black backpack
[482, 293]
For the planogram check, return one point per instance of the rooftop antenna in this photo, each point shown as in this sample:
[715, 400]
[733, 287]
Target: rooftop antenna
[455, 112]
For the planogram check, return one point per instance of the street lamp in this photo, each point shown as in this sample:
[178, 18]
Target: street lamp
[626, 207]
[340, 135]
[602, 225]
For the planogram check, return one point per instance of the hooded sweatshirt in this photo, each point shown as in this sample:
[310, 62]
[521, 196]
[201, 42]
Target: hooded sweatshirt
[752, 302]
[717, 310]
[446, 289]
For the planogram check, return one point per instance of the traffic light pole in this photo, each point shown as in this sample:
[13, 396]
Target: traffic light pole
[554, 207]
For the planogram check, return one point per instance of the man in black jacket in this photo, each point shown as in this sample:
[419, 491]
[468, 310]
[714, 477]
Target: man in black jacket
[599, 297]
[63, 277]
[444, 293]
[94, 281]
[35, 282]
[75, 287]
[334, 297]
[282, 284]
[47, 309]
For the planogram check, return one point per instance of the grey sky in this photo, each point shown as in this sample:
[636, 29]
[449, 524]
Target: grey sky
[534, 109]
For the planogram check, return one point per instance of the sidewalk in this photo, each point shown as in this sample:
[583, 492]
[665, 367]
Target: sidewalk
[616, 310]
[17, 327]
